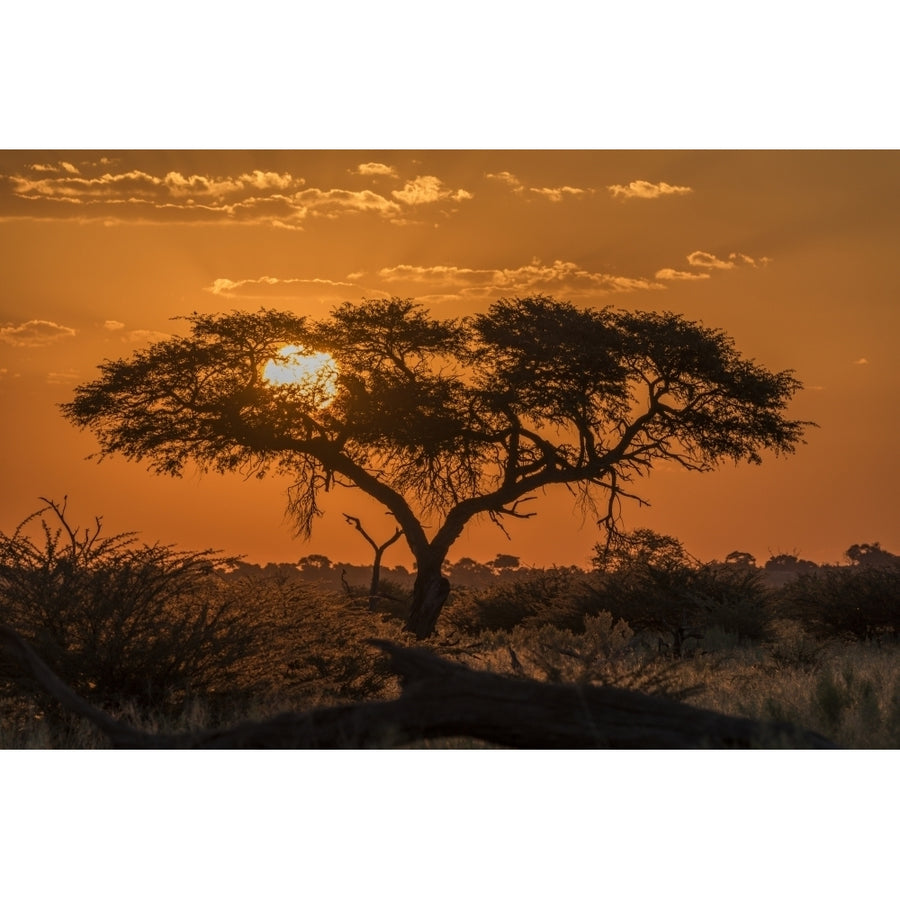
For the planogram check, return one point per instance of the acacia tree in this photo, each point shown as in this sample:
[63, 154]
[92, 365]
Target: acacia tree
[443, 421]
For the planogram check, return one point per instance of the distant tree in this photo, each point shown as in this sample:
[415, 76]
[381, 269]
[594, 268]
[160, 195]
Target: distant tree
[505, 561]
[741, 558]
[789, 562]
[315, 562]
[379, 553]
[643, 547]
[470, 572]
[872, 555]
[444, 421]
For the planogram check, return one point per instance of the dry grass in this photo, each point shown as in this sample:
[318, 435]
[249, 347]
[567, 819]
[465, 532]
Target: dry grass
[852, 696]
[850, 693]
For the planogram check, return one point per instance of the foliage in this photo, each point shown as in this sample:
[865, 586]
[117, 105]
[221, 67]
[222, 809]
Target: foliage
[656, 586]
[872, 555]
[314, 640]
[538, 597]
[559, 655]
[857, 602]
[453, 419]
[785, 567]
[118, 620]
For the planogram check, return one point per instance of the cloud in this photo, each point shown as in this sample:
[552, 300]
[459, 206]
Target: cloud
[375, 169]
[506, 178]
[556, 194]
[65, 377]
[438, 283]
[553, 194]
[559, 277]
[334, 202]
[34, 333]
[749, 260]
[862, 361]
[427, 189]
[180, 185]
[676, 275]
[646, 190]
[101, 193]
[113, 325]
[706, 260]
[107, 187]
[268, 287]
[258, 197]
[140, 335]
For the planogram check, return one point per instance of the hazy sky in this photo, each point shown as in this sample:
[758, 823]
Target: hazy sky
[792, 253]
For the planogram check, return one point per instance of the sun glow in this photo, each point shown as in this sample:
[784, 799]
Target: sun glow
[315, 374]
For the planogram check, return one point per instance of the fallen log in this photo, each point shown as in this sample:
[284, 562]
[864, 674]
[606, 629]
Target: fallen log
[442, 699]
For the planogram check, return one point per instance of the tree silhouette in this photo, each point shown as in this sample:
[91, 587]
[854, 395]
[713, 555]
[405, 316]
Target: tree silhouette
[379, 549]
[741, 558]
[871, 555]
[444, 421]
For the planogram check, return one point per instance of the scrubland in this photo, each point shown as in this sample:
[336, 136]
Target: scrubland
[174, 641]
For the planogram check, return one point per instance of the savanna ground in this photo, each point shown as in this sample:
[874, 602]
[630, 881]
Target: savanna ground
[174, 641]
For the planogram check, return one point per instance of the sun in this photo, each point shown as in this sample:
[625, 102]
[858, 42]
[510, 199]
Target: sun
[315, 374]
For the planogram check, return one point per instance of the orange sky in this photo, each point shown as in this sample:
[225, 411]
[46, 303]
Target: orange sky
[792, 253]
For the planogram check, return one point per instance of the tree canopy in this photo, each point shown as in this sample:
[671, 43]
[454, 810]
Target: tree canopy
[443, 420]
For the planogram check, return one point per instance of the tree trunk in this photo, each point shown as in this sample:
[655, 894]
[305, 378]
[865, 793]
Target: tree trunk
[430, 593]
[376, 579]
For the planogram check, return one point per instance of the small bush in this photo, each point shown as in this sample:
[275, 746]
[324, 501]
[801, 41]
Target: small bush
[551, 596]
[315, 646]
[117, 620]
[559, 655]
[733, 599]
[682, 605]
[850, 602]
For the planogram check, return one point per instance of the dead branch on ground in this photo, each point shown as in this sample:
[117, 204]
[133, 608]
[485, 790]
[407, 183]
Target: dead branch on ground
[442, 699]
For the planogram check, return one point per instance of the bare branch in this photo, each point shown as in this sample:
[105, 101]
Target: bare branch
[357, 524]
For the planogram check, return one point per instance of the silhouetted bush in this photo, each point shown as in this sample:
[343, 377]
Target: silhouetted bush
[315, 641]
[855, 602]
[553, 596]
[651, 582]
[120, 621]
[734, 599]
[550, 653]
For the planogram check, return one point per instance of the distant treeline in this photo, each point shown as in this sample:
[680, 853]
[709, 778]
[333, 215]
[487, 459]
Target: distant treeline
[775, 572]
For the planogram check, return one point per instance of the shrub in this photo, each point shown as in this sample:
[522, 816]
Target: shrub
[559, 655]
[315, 641]
[734, 599]
[850, 602]
[540, 597]
[655, 586]
[117, 620]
